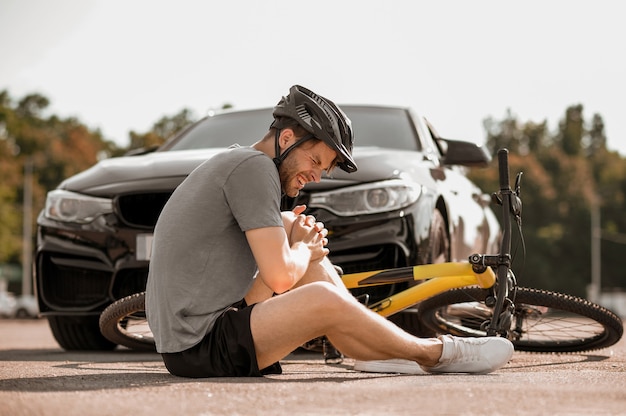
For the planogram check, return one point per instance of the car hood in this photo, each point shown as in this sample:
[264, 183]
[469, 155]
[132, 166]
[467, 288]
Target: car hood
[167, 169]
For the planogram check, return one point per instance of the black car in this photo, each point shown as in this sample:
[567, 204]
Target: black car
[409, 203]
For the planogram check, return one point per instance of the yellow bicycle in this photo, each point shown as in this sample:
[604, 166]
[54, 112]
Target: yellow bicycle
[477, 298]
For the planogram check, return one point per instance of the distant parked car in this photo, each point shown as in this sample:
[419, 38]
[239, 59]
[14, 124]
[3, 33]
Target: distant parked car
[23, 306]
[409, 203]
[26, 307]
[8, 304]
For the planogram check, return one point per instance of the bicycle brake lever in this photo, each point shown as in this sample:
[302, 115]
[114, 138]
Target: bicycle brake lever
[518, 183]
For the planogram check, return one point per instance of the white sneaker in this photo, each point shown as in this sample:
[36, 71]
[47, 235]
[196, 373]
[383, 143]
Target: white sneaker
[396, 365]
[472, 355]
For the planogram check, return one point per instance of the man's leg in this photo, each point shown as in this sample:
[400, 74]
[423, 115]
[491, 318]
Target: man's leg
[281, 324]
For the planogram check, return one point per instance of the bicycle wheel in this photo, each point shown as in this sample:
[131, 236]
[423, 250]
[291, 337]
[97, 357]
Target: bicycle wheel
[124, 322]
[544, 321]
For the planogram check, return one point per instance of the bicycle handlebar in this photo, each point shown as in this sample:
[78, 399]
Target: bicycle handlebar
[504, 258]
[503, 163]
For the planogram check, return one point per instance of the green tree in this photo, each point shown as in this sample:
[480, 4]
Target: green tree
[10, 219]
[562, 174]
[571, 130]
[57, 147]
[596, 136]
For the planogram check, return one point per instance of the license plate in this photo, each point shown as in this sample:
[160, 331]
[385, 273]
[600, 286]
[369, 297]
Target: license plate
[144, 246]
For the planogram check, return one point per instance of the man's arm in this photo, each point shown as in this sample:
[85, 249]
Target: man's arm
[283, 260]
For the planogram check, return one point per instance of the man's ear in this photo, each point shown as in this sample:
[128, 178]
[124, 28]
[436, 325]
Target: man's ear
[286, 138]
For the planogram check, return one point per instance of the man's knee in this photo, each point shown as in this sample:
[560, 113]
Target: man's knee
[327, 295]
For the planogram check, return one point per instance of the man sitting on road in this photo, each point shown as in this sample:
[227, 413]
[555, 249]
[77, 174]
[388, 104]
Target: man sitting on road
[235, 285]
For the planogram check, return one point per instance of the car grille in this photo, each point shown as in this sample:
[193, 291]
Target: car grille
[73, 282]
[141, 210]
[369, 258]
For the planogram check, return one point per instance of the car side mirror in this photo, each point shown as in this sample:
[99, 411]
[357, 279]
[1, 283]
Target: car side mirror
[462, 153]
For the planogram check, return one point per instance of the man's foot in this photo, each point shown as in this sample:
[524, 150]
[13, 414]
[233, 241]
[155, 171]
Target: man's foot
[472, 355]
[396, 365]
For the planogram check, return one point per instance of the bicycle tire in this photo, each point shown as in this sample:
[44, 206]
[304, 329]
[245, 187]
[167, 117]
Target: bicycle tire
[124, 322]
[551, 322]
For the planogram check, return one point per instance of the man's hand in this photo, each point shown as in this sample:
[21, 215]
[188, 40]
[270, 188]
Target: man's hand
[307, 230]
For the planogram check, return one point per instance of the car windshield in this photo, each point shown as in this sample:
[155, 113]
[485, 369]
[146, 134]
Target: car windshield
[373, 126]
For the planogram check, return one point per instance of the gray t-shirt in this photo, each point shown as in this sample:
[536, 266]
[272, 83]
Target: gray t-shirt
[201, 262]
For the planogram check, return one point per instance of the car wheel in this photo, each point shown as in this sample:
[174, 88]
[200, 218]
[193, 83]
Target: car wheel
[22, 314]
[79, 333]
[439, 241]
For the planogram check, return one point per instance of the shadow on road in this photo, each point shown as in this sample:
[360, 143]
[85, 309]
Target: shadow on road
[559, 360]
[61, 355]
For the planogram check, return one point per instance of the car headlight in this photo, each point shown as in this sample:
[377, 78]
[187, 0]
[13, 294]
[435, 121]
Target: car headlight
[66, 206]
[369, 198]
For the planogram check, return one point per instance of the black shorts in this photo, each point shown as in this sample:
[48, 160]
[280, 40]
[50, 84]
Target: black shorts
[226, 351]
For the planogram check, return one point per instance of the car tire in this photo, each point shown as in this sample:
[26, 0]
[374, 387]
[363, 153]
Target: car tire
[79, 333]
[22, 314]
[439, 240]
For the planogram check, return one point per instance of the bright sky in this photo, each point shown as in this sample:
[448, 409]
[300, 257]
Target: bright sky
[120, 65]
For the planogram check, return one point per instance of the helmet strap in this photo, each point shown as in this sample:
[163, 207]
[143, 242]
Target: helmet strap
[278, 159]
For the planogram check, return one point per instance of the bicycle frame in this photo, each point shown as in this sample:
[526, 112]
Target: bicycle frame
[433, 278]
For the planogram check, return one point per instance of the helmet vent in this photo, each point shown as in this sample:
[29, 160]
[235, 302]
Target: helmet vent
[303, 114]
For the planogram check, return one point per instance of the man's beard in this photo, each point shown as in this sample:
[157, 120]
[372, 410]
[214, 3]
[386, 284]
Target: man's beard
[287, 174]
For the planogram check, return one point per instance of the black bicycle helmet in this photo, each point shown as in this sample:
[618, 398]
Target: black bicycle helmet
[321, 118]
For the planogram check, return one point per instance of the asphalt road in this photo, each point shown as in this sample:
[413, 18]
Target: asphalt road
[39, 378]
